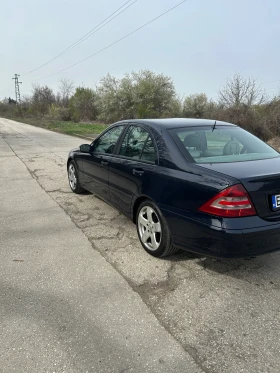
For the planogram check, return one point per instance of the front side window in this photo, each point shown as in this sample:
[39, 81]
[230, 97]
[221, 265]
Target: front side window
[137, 144]
[107, 142]
[221, 144]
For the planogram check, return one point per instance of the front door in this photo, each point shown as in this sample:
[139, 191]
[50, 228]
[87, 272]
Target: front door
[96, 164]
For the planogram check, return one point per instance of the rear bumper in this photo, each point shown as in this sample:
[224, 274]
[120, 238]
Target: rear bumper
[210, 240]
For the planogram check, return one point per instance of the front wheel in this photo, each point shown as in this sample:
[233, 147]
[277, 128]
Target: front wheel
[153, 230]
[74, 179]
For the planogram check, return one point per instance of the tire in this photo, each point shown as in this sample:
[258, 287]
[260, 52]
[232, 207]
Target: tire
[73, 178]
[153, 231]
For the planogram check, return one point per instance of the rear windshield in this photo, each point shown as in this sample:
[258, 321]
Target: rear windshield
[221, 144]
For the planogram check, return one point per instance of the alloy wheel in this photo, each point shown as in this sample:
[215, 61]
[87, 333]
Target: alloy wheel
[72, 176]
[149, 228]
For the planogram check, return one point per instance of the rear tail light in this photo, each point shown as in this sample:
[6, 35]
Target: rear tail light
[232, 202]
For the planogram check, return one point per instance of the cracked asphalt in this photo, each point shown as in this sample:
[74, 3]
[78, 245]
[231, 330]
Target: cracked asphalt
[225, 314]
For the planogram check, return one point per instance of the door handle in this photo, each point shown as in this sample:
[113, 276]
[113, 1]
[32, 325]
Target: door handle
[104, 163]
[137, 172]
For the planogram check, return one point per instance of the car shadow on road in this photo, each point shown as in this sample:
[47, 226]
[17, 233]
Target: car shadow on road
[261, 267]
[183, 255]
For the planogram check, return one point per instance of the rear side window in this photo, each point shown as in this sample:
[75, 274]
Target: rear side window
[137, 144]
[149, 152]
[221, 144]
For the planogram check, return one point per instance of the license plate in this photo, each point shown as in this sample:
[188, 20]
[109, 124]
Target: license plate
[276, 201]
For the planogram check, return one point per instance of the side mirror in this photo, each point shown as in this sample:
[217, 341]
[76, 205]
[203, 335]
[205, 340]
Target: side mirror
[85, 148]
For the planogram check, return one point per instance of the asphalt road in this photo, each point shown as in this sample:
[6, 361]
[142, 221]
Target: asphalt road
[78, 289]
[63, 307]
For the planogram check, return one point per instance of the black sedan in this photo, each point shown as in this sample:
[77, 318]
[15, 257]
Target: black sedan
[204, 186]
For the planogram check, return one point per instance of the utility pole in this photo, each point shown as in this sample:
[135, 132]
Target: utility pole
[17, 92]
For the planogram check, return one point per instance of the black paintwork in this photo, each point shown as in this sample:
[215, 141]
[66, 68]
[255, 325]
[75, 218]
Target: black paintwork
[179, 187]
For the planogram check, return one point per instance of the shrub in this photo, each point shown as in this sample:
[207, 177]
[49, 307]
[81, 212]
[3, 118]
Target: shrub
[83, 104]
[59, 113]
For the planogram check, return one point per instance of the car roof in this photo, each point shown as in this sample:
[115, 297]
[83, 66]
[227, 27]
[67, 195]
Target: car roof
[179, 122]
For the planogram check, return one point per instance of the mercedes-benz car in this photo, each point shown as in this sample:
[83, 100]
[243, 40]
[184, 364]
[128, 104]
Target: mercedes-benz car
[204, 186]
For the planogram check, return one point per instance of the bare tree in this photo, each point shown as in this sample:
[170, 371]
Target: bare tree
[42, 98]
[66, 89]
[239, 91]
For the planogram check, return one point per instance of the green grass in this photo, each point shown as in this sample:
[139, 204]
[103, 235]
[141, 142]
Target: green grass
[81, 129]
[69, 128]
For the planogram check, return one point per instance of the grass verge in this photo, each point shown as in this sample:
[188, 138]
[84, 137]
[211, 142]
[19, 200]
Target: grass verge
[69, 128]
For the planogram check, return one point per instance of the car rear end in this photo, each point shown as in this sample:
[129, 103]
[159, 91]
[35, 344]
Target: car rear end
[242, 219]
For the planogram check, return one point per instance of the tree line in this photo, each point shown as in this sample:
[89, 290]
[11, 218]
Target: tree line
[145, 94]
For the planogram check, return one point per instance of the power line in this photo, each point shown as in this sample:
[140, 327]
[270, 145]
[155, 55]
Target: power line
[87, 35]
[115, 42]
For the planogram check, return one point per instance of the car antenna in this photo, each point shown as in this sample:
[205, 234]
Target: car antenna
[214, 126]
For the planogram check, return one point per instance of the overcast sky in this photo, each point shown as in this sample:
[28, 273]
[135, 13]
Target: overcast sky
[200, 44]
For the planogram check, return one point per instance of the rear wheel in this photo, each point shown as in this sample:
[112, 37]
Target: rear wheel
[74, 179]
[153, 230]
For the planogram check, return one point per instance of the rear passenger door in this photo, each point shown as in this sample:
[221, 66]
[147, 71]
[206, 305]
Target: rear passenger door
[132, 168]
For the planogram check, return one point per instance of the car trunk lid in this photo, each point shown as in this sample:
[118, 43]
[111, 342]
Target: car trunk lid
[261, 178]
